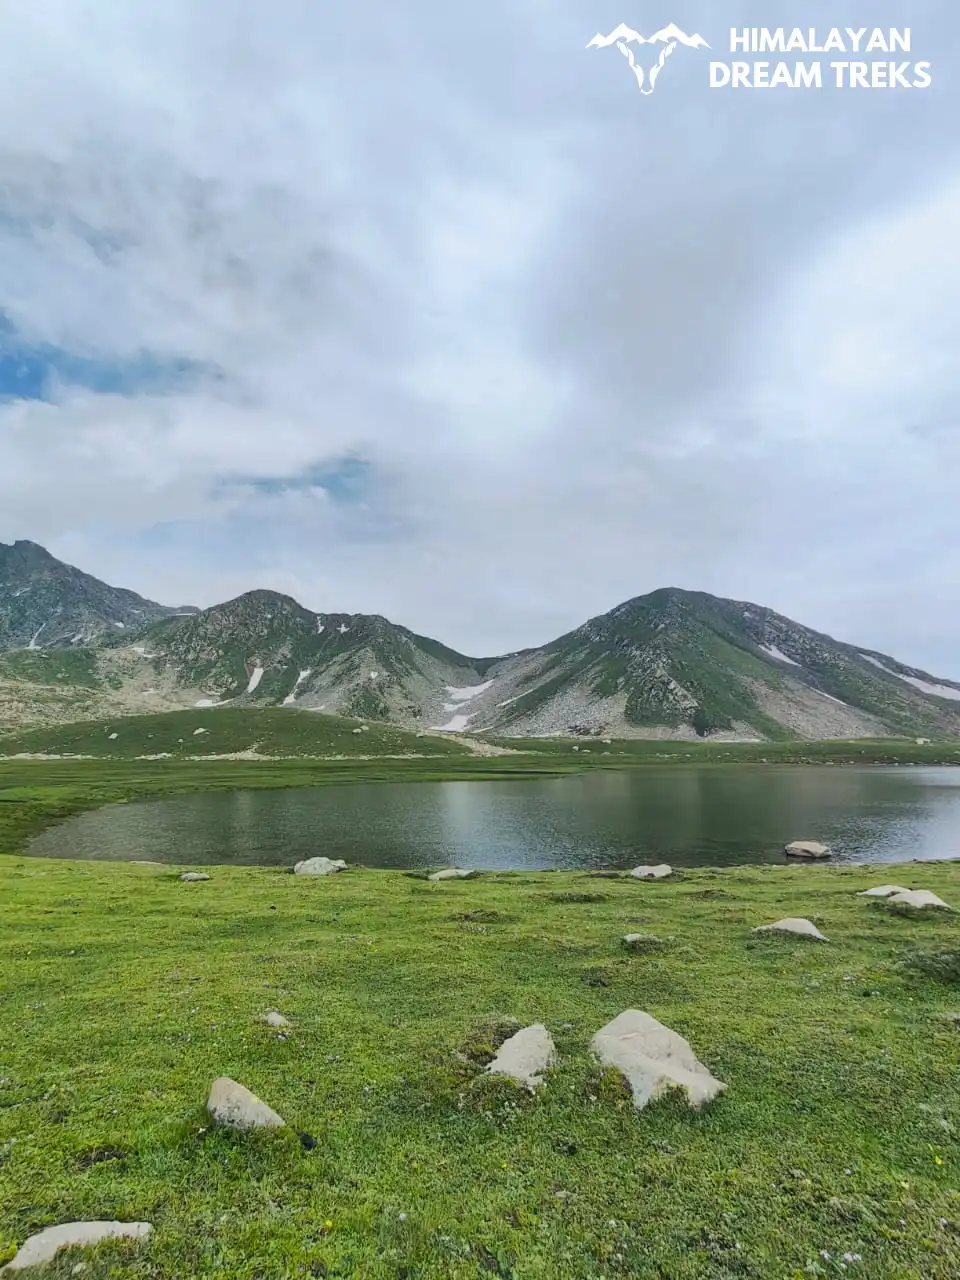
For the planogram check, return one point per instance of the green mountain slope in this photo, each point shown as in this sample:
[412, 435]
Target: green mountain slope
[227, 731]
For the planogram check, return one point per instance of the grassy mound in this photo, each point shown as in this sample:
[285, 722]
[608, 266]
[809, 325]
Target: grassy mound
[125, 992]
[211, 731]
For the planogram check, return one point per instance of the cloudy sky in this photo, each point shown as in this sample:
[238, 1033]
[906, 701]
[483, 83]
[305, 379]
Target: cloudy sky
[433, 314]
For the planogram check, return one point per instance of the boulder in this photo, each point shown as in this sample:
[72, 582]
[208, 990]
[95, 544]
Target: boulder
[792, 924]
[652, 873]
[525, 1055]
[234, 1107]
[42, 1247]
[274, 1019]
[451, 873]
[882, 891]
[191, 876]
[807, 849]
[319, 867]
[653, 1059]
[918, 898]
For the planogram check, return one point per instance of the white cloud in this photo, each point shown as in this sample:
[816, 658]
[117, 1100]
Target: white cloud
[590, 343]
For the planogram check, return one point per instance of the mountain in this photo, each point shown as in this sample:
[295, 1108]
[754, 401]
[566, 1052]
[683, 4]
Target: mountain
[683, 663]
[46, 602]
[265, 648]
[671, 664]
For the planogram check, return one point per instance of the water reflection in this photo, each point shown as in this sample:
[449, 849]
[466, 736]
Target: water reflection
[686, 815]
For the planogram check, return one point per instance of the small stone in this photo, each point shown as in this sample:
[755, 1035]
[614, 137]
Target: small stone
[233, 1106]
[652, 873]
[807, 849]
[451, 873]
[319, 867]
[637, 941]
[653, 1059]
[191, 876]
[792, 924]
[274, 1019]
[525, 1055]
[42, 1247]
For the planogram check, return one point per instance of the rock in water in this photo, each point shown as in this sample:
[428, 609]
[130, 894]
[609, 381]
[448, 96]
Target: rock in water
[452, 873]
[42, 1247]
[793, 924]
[652, 873]
[882, 891]
[525, 1055]
[807, 849]
[319, 867]
[191, 876]
[653, 1059]
[234, 1107]
[918, 898]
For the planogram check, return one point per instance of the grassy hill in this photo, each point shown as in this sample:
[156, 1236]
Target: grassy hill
[217, 731]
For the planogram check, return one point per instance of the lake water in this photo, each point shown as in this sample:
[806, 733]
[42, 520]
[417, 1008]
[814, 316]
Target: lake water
[688, 816]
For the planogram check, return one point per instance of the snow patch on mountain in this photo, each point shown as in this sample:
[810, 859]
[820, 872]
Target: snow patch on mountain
[773, 652]
[255, 679]
[288, 700]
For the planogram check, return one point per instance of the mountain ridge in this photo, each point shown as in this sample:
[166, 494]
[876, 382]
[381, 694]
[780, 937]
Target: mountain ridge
[670, 663]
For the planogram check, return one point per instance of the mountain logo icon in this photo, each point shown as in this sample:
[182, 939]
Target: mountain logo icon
[668, 37]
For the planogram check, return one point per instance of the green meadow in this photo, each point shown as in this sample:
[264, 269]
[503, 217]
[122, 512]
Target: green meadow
[124, 992]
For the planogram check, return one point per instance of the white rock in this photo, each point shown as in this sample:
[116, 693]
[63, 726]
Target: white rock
[652, 873]
[194, 875]
[319, 866]
[807, 849]
[452, 873]
[917, 898]
[653, 1059]
[42, 1247]
[882, 891]
[234, 1107]
[274, 1019]
[525, 1055]
[793, 924]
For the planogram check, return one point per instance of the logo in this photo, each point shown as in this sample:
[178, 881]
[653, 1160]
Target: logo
[848, 72]
[669, 37]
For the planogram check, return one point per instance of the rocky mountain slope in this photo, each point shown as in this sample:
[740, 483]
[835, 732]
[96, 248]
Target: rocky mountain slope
[672, 664]
[46, 603]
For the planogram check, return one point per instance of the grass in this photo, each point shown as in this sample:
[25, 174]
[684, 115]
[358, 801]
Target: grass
[206, 731]
[124, 992]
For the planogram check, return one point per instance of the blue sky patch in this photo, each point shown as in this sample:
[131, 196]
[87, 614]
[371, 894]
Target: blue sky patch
[35, 371]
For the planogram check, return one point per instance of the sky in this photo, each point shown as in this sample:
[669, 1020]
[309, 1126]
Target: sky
[431, 313]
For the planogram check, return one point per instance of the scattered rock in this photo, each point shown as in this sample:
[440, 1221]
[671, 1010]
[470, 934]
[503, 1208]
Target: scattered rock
[319, 867]
[918, 898]
[652, 873]
[653, 1059]
[793, 924]
[274, 1019]
[42, 1247]
[191, 876]
[640, 941]
[525, 1055]
[807, 849]
[882, 891]
[451, 873]
[233, 1106]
